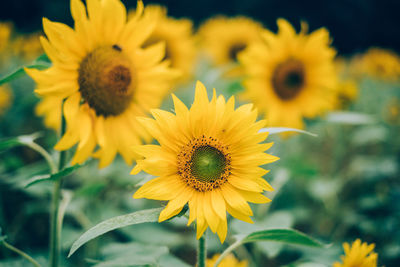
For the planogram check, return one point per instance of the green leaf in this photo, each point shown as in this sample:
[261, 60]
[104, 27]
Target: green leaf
[17, 141]
[235, 87]
[143, 216]
[354, 118]
[288, 236]
[276, 130]
[43, 58]
[20, 72]
[55, 176]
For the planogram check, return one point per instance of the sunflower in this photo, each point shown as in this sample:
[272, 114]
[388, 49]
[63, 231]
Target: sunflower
[347, 87]
[178, 37]
[290, 76]
[378, 63]
[50, 108]
[224, 38]
[5, 33]
[5, 98]
[28, 46]
[209, 157]
[228, 261]
[358, 255]
[104, 76]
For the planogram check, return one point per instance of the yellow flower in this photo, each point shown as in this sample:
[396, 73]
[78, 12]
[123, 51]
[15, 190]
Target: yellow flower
[50, 108]
[228, 261]
[347, 87]
[358, 255]
[224, 38]
[105, 77]
[27, 46]
[178, 37]
[379, 63]
[209, 157]
[5, 33]
[5, 98]
[289, 75]
[347, 92]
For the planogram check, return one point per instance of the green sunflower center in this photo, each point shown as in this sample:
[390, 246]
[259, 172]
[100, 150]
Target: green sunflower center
[235, 50]
[204, 163]
[207, 164]
[106, 80]
[288, 79]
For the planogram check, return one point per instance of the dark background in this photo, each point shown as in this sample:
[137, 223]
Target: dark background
[355, 25]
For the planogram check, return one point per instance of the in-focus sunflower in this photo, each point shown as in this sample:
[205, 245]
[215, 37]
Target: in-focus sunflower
[178, 37]
[105, 77]
[209, 157]
[379, 63]
[224, 38]
[5, 98]
[228, 261]
[358, 255]
[50, 108]
[290, 76]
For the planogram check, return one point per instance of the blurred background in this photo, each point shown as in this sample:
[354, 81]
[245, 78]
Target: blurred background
[338, 187]
[354, 24]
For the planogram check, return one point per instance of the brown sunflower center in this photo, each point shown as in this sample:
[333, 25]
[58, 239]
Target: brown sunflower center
[204, 163]
[288, 79]
[106, 80]
[235, 50]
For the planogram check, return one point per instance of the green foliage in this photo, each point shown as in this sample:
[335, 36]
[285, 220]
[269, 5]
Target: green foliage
[53, 177]
[142, 216]
[287, 236]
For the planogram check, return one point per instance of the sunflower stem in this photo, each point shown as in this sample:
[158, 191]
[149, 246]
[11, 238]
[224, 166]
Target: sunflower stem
[21, 253]
[202, 251]
[55, 221]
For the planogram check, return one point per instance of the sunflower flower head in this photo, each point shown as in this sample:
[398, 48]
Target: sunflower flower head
[290, 75]
[208, 156]
[223, 39]
[5, 34]
[104, 77]
[27, 46]
[378, 63]
[228, 261]
[177, 34]
[358, 255]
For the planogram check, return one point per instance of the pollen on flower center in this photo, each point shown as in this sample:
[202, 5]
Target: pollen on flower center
[204, 163]
[288, 79]
[235, 50]
[106, 80]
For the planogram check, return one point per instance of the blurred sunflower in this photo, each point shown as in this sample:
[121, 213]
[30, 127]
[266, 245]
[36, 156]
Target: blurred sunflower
[290, 76]
[5, 98]
[105, 77]
[178, 37]
[379, 63]
[5, 33]
[208, 156]
[359, 254]
[224, 38]
[50, 107]
[228, 261]
[347, 87]
[27, 46]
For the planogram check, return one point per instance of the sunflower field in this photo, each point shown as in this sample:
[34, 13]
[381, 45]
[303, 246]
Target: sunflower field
[131, 137]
